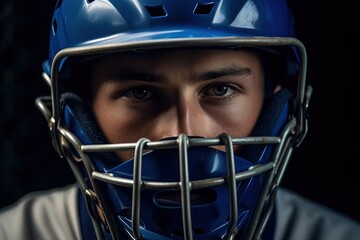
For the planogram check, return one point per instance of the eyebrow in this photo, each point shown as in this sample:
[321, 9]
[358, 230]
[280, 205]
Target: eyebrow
[223, 72]
[128, 74]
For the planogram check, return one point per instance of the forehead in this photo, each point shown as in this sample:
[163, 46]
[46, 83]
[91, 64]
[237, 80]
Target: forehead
[186, 56]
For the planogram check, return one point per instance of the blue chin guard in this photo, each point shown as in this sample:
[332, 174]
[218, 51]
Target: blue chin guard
[161, 209]
[176, 188]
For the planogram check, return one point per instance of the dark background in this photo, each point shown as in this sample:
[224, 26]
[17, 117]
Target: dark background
[325, 168]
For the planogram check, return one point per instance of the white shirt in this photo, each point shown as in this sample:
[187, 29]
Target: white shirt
[53, 215]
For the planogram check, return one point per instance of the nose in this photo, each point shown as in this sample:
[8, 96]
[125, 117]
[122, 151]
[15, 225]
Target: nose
[186, 116]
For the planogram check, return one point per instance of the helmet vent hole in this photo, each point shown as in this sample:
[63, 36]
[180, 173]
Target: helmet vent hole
[156, 11]
[90, 1]
[204, 8]
[180, 232]
[198, 197]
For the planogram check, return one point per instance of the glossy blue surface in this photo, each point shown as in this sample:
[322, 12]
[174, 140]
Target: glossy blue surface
[117, 21]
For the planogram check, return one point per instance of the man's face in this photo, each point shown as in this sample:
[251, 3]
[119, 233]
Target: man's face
[161, 94]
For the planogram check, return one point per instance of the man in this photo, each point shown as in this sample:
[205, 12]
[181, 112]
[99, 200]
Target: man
[178, 120]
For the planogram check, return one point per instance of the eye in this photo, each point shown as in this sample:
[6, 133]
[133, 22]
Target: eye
[219, 90]
[140, 93]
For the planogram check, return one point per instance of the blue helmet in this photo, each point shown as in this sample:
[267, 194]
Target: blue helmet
[237, 191]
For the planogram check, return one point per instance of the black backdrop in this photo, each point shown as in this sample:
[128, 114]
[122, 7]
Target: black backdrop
[324, 168]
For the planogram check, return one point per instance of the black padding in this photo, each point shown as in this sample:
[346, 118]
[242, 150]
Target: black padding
[84, 115]
[269, 117]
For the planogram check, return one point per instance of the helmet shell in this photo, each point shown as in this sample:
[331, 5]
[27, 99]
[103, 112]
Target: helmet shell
[86, 22]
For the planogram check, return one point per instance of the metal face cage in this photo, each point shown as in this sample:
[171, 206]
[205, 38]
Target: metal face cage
[92, 177]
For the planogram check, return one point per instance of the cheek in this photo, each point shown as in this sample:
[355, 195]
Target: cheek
[239, 122]
[239, 119]
[116, 124]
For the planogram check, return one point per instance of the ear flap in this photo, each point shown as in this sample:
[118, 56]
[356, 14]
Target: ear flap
[271, 121]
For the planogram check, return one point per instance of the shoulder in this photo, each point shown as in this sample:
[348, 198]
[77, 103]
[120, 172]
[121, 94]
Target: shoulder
[300, 218]
[50, 214]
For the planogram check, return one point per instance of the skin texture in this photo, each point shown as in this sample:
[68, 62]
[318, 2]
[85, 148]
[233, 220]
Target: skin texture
[159, 94]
